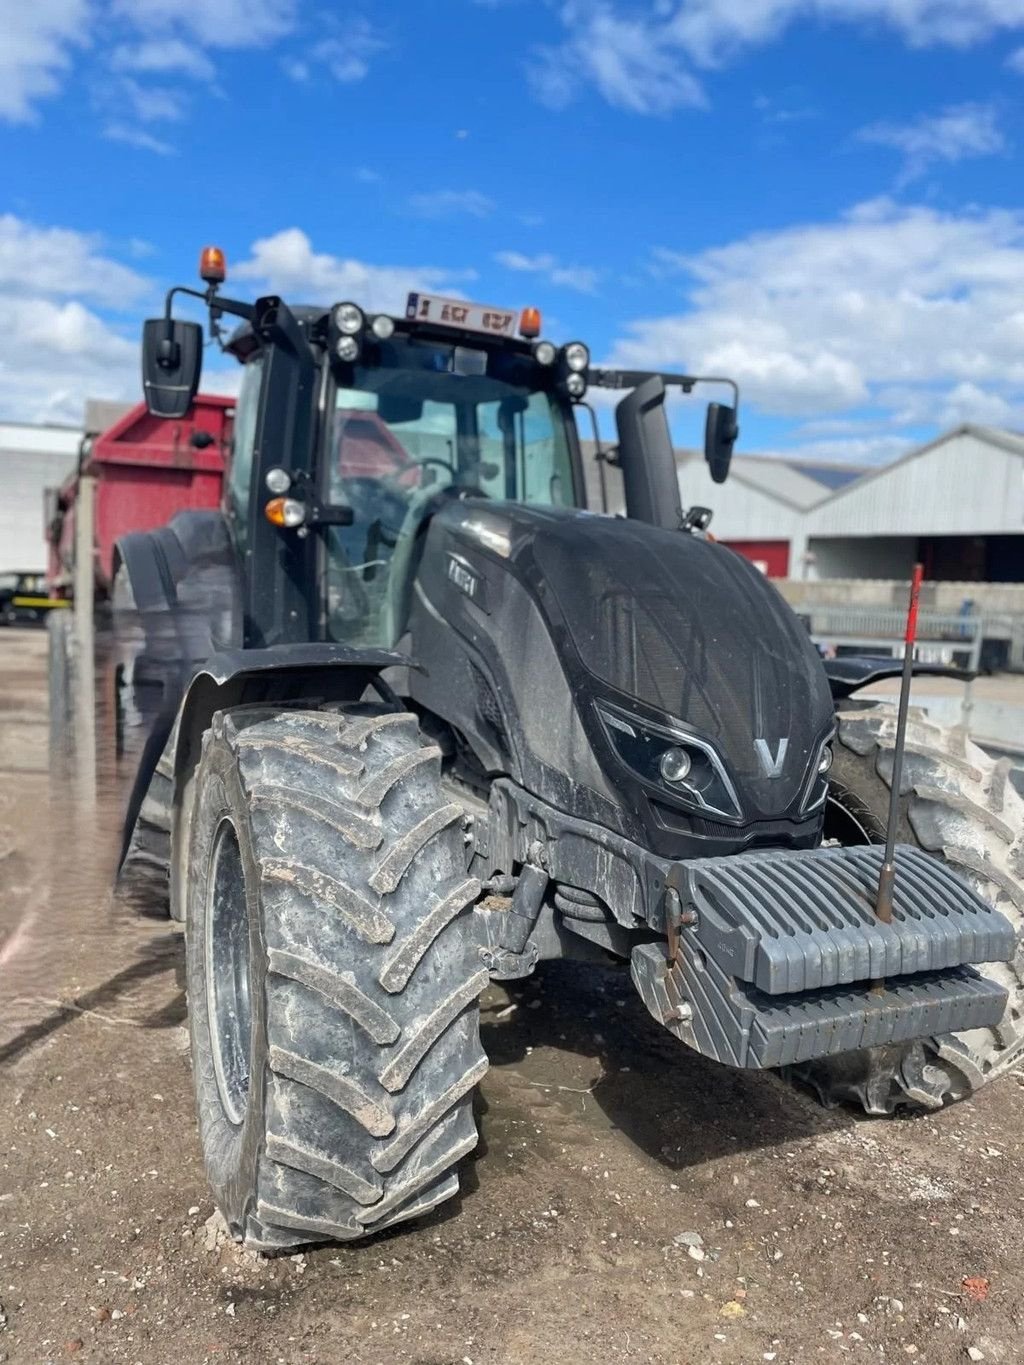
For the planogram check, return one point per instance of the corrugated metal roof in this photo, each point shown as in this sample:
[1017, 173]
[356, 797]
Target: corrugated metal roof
[971, 485]
[788, 480]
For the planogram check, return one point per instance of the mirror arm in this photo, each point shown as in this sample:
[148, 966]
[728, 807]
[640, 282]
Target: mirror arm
[629, 379]
[212, 300]
[217, 307]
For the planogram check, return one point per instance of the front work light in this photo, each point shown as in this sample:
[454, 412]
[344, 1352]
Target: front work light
[287, 512]
[213, 266]
[278, 480]
[382, 327]
[544, 353]
[347, 348]
[348, 318]
[575, 385]
[577, 357]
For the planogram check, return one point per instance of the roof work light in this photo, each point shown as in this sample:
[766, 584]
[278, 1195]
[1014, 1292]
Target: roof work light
[213, 265]
[529, 323]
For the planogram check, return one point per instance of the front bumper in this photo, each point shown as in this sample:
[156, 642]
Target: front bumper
[777, 957]
[771, 957]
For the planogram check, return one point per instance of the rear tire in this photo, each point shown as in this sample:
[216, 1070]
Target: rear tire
[956, 802]
[333, 974]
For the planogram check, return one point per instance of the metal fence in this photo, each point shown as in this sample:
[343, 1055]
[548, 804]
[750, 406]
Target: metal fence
[880, 630]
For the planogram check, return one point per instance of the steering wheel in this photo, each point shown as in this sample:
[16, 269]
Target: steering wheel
[397, 479]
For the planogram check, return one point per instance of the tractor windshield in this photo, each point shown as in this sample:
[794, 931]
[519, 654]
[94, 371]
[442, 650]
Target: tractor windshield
[401, 437]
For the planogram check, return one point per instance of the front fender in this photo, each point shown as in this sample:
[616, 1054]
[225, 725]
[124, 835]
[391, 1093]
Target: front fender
[280, 673]
[854, 671]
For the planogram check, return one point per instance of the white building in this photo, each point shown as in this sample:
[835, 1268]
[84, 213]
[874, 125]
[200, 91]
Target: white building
[956, 504]
[32, 459]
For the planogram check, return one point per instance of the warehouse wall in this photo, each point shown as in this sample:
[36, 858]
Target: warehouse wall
[963, 485]
[862, 556]
[31, 460]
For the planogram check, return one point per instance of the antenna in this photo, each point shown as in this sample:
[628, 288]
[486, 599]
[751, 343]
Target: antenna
[887, 875]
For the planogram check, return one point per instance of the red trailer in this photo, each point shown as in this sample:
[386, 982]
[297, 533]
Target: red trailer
[146, 469]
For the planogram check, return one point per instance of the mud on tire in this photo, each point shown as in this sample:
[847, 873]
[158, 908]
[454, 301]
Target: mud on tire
[956, 802]
[344, 1104]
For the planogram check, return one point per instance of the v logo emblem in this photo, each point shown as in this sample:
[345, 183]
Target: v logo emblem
[771, 767]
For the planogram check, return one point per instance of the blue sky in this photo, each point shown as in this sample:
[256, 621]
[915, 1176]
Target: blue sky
[820, 197]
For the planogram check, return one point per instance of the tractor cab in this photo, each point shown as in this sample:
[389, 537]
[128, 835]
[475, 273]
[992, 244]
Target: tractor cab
[353, 429]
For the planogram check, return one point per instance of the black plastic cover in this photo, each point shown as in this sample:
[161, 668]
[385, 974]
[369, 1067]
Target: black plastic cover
[172, 361]
[693, 630]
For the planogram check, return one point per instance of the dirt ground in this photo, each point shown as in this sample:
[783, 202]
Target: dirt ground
[628, 1202]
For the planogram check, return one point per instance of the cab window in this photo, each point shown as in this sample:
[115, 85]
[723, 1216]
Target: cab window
[243, 441]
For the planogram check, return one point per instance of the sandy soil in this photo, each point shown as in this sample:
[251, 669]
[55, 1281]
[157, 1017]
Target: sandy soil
[629, 1201]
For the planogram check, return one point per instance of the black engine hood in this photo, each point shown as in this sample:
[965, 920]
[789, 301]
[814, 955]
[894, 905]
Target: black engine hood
[673, 627]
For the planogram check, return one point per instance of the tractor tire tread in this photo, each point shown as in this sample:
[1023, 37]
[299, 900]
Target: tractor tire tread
[373, 974]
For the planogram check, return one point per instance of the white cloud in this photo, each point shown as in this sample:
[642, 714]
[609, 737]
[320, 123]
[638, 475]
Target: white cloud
[59, 261]
[40, 38]
[630, 60]
[287, 264]
[451, 204]
[55, 350]
[35, 52]
[150, 103]
[163, 55]
[852, 450]
[903, 310]
[55, 355]
[582, 278]
[645, 59]
[215, 23]
[347, 53]
[953, 134]
[138, 137]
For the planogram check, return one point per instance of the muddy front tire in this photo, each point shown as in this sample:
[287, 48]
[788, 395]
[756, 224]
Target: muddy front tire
[956, 802]
[333, 974]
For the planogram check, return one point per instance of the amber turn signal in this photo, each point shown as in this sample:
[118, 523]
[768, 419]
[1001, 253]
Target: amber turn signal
[287, 512]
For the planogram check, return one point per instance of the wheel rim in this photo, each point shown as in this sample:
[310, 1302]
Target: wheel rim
[227, 972]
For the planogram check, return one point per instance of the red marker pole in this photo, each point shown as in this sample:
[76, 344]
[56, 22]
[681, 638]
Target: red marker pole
[883, 900]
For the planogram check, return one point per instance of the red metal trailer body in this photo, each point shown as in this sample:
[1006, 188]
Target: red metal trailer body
[146, 469]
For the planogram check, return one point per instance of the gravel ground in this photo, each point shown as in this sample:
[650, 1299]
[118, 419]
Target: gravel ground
[629, 1201]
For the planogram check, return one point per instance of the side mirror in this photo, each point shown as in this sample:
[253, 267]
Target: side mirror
[172, 361]
[720, 432]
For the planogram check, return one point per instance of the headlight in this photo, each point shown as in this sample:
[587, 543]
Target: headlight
[544, 353]
[347, 348]
[577, 357]
[816, 787]
[348, 318]
[677, 764]
[278, 480]
[382, 327]
[575, 385]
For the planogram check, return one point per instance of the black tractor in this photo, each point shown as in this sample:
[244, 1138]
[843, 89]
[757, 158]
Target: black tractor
[419, 720]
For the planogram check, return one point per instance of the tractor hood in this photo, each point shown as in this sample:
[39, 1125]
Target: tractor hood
[675, 641]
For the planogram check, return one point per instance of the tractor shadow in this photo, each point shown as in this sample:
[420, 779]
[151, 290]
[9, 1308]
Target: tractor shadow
[681, 1109]
[161, 956]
